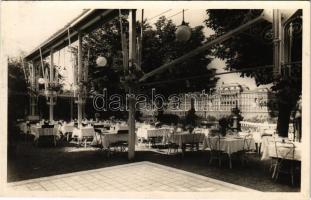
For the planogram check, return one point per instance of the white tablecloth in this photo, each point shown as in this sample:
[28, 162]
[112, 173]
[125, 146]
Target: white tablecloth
[83, 132]
[23, 127]
[184, 138]
[229, 145]
[108, 138]
[153, 132]
[283, 150]
[66, 128]
[38, 131]
[101, 124]
[205, 131]
[256, 135]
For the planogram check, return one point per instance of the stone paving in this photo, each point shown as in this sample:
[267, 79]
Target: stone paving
[135, 177]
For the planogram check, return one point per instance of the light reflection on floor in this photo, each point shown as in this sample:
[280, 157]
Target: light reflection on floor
[135, 177]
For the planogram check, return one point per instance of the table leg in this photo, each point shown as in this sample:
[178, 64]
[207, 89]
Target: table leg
[67, 137]
[274, 170]
[230, 163]
[183, 149]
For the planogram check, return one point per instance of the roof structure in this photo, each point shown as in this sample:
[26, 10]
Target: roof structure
[87, 21]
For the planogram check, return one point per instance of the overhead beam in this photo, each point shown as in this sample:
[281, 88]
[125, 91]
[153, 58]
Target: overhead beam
[202, 48]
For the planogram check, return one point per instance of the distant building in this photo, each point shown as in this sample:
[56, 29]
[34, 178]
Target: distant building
[218, 103]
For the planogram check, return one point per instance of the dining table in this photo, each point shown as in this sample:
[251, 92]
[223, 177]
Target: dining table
[183, 138]
[66, 128]
[230, 144]
[80, 133]
[205, 131]
[107, 139]
[146, 133]
[23, 127]
[279, 148]
[38, 131]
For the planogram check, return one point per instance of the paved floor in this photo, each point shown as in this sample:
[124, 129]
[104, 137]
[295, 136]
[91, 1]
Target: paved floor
[135, 177]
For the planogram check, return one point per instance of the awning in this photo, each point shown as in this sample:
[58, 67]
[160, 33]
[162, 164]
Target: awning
[85, 22]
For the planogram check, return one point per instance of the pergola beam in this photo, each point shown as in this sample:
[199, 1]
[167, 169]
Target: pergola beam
[202, 48]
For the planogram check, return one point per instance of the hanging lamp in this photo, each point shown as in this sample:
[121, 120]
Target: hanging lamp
[101, 61]
[41, 81]
[183, 32]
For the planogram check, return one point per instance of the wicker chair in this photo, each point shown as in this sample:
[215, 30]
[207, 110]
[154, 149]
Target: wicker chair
[285, 153]
[215, 152]
[247, 151]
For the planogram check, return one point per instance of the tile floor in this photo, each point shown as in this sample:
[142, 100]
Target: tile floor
[135, 177]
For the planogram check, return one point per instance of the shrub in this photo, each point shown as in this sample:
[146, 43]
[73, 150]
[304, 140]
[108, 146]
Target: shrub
[169, 119]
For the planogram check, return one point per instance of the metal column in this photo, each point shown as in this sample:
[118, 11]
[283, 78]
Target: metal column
[79, 79]
[132, 57]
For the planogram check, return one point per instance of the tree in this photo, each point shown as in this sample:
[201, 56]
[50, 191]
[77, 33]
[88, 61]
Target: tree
[159, 47]
[254, 48]
[17, 87]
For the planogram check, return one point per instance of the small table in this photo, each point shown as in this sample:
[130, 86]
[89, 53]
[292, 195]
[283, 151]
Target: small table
[151, 134]
[23, 127]
[83, 133]
[38, 131]
[66, 130]
[230, 145]
[185, 138]
[109, 138]
[269, 150]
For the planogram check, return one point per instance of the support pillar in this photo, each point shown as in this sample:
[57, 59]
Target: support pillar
[132, 57]
[33, 87]
[71, 108]
[51, 103]
[79, 79]
[131, 124]
[277, 32]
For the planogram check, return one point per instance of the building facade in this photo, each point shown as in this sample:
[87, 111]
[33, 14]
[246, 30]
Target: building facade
[219, 103]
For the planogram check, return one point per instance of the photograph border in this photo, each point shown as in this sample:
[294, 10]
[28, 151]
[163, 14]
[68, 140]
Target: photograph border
[305, 170]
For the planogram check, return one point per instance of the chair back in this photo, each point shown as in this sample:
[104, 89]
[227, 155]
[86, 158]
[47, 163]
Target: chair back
[198, 137]
[285, 150]
[247, 142]
[214, 143]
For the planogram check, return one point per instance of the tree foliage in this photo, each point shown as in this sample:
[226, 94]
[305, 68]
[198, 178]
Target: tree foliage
[159, 47]
[17, 88]
[254, 48]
